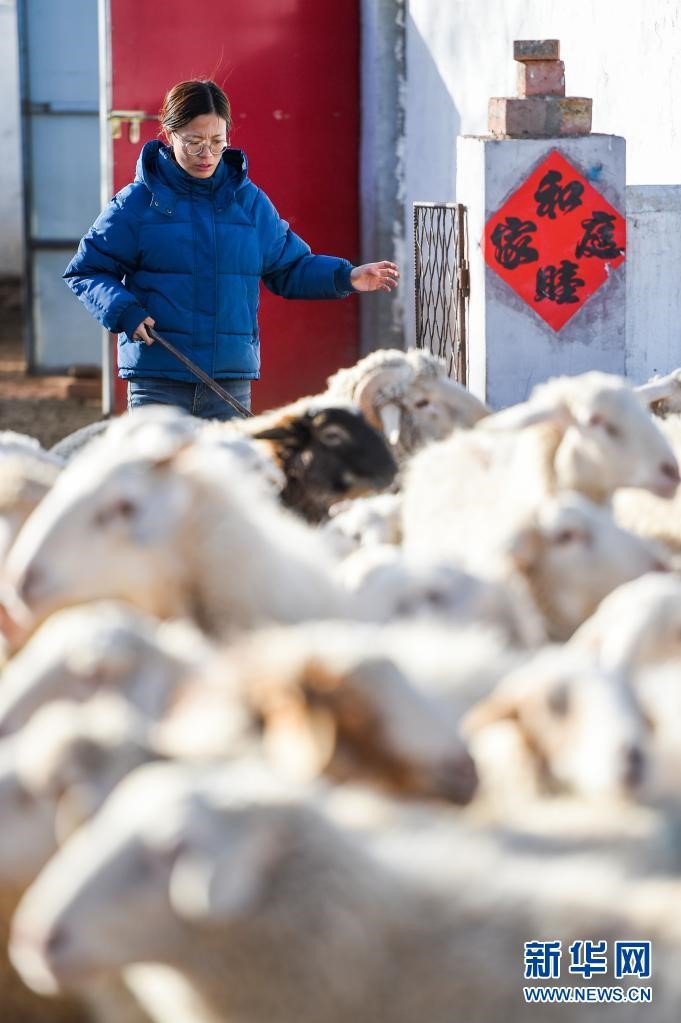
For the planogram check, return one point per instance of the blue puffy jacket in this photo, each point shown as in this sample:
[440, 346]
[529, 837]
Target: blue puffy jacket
[190, 252]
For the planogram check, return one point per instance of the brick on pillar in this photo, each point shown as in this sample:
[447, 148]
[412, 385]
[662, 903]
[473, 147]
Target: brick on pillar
[545, 204]
[541, 109]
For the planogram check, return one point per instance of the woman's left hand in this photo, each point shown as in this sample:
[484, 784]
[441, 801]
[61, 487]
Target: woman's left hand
[382, 276]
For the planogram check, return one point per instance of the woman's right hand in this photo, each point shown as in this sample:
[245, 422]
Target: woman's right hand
[140, 334]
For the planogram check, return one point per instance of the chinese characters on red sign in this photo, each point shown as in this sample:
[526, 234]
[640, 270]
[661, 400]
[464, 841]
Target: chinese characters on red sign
[555, 240]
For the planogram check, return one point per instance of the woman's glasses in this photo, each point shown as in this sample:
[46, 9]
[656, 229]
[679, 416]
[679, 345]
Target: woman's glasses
[194, 148]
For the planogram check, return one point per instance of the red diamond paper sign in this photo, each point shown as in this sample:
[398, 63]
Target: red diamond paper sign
[555, 240]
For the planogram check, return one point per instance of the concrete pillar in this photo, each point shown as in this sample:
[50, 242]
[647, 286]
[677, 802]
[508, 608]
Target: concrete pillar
[383, 76]
[546, 239]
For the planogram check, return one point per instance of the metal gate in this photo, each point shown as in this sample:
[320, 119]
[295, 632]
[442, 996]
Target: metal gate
[442, 283]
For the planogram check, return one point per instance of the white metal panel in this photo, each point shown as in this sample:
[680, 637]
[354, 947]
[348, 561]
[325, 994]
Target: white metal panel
[59, 63]
[62, 324]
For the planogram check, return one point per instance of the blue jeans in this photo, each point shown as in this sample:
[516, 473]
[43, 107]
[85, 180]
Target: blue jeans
[197, 399]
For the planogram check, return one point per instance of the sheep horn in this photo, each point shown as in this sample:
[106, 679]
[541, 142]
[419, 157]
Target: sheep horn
[659, 387]
[469, 408]
[390, 416]
[368, 390]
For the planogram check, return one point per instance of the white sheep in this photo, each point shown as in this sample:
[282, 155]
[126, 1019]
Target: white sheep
[325, 697]
[590, 434]
[54, 775]
[408, 396]
[181, 531]
[363, 522]
[571, 554]
[389, 587]
[636, 635]
[258, 904]
[567, 724]
[635, 626]
[56, 772]
[662, 393]
[312, 452]
[601, 438]
[566, 553]
[648, 514]
[27, 472]
[83, 650]
[151, 421]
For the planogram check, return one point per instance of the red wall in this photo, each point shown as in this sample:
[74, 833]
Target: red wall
[291, 71]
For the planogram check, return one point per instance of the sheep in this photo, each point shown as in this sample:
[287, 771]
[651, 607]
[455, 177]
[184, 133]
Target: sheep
[328, 698]
[648, 514]
[389, 587]
[603, 437]
[408, 396]
[314, 451]
[83, 650]
[325, 449]
[330, 693]
[12, 443]
[54, 775]
[256, 903]
[565, 554]
[364, 521]
[180, 531]
[590, 434]
[661, 393]
[572, 554]
[567, 725]
[636, 635]
[71, 445]
[149, 423]
[56, 772]
[637, 625]
[27, 472]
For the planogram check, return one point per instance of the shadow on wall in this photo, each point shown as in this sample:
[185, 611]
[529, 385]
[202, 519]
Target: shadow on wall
[432, 126]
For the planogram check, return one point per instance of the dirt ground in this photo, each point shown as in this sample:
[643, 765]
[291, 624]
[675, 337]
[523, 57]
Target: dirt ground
[37, 405]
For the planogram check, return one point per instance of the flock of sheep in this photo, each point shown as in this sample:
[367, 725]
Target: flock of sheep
[321, 716]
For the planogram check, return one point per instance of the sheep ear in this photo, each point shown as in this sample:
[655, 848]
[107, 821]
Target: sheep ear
[274, 433]
[501, 705]
[224, 885]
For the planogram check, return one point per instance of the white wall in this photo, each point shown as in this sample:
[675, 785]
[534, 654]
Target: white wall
[10, 145]
[625, 55]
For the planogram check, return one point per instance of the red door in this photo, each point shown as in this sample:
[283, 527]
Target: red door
[291, 71]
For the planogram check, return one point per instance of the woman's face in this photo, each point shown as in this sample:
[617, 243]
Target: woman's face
[208, 129]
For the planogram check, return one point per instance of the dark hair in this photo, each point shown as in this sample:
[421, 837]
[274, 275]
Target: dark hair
[188, 100]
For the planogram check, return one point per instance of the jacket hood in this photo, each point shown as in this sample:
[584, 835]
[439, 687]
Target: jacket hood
[167, 181]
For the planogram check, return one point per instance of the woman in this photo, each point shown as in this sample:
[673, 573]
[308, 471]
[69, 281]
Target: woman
[183, 249]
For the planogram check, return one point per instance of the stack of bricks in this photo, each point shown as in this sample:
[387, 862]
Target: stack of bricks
[541, 109]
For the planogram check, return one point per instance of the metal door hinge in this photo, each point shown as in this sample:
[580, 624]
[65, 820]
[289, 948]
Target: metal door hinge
[133, 118]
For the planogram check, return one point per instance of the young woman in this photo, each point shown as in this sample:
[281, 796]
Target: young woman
[183, 249]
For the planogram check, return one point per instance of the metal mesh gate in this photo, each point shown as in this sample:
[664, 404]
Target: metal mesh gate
[442, 283]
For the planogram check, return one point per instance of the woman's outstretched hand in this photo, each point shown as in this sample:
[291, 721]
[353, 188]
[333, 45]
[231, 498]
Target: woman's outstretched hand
[140, 334]
[381, 276]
